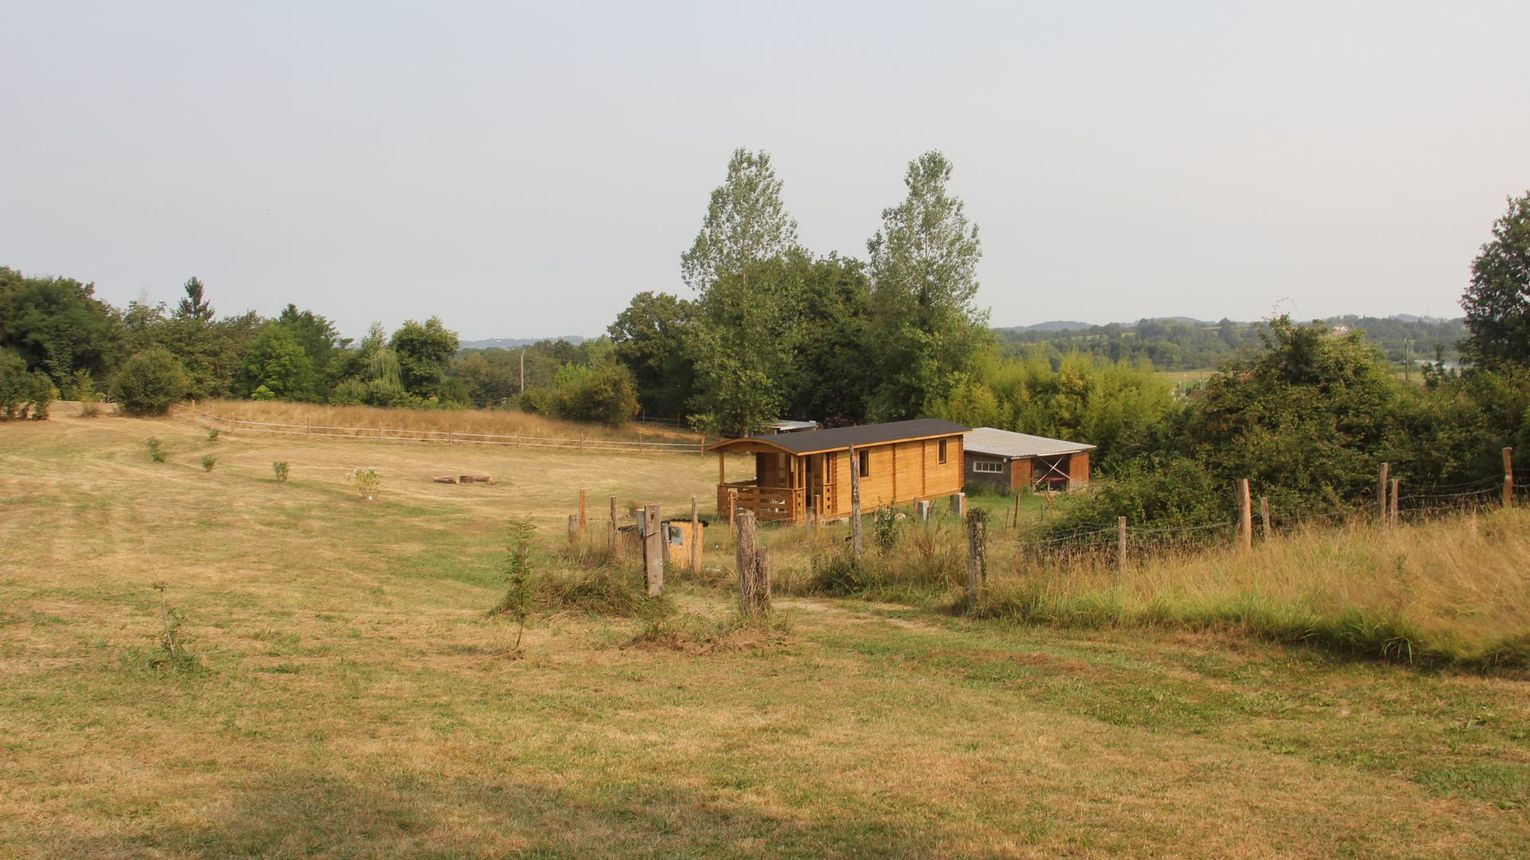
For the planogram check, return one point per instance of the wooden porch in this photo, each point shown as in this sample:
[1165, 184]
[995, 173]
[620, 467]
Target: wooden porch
[785, 489]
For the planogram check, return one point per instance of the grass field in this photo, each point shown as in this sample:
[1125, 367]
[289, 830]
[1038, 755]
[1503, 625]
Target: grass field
[353, 699]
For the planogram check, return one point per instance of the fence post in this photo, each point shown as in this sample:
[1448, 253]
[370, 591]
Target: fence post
[573, 529]
[1392, 517]
[732, 507]
[1120, 543]
[653, 550]
[613, 537]
[1381, 494]
[976, 559]
[1017, 511]
[1508, 477]
[695, 538]
[1245, 517]
[856, 545]
[1264, 515]
[753, 564]
[959, 505]
[584, 523]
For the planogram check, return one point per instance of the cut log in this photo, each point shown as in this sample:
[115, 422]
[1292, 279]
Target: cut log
[445, 479]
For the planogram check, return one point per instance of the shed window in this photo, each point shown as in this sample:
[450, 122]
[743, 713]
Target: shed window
[943, 450]
[865, 465]
[988, 466]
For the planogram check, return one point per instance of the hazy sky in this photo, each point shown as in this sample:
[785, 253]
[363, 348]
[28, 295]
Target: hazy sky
[523, 169]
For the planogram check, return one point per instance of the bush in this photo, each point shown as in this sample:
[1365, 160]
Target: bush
[279, 470]
[85, 392]
[208, 461]
[1173, 492]
[23, 394]
[156, 449]
[150, 383]
[604, 393]
[517, 600]
[367, 482]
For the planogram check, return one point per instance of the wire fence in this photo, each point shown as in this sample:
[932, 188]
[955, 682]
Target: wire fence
[453, 437]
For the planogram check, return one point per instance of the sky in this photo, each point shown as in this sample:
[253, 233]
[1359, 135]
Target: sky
[523, 169]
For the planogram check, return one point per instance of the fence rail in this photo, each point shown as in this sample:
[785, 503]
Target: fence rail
[454, 437]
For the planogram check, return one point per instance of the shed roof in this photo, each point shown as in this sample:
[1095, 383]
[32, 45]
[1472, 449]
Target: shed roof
[1003, 443]
[841, 438]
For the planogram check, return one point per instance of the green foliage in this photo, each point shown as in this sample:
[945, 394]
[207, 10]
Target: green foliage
[925, 325]
[85, 392]
[23, 394]
[1497, 302]
[277, 363]
[1165, 492]
[746, 223]
[208, 461]
[652, 338]
[57, 326]
[366, 481]
[279, 471]
[517, 600]
[171, 654]
[884, 527]
[213, 433]
[603, 393]
[262, 394]
[149, 383]
[156, 449]
[423, 352]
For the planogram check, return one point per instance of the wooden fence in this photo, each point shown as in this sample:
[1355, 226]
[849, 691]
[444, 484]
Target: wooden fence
[453, 437]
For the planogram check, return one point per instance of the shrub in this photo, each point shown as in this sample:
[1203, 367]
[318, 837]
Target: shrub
[23, 393]
[156, 449]
[262, 393]
[279, 470]
[85, 392]
[150, 383]
[212, 434]
[603, 393]
[171, 655]
[517, 565]
[367, 482]
[208, 461]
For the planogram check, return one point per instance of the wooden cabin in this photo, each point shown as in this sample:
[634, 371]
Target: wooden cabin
[807, 474]
[1012, 462]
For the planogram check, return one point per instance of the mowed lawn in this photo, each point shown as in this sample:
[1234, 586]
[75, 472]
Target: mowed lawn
[355, 701]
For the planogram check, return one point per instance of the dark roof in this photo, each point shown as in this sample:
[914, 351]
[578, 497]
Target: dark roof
[840, 438]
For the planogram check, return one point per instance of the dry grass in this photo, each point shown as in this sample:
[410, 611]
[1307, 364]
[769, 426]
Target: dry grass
[501, 422]
[353, 700]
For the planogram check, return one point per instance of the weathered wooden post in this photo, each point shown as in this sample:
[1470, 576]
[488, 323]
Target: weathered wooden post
[573, 529]
[1508, 477]
[857, 547]
[959, 505]
[1016, 517]
[732, 508]
[922, 511]
[613, 535]
[1121, 543]
[753, 564]
[653, 550]
[1381, 494]
[976, 559]
[1245, 517]
[584, 523]
[1264, 516]
[695, 538]
[1392, 515]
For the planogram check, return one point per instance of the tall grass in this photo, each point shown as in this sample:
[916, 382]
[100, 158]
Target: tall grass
[1448, 592]
[488, 421]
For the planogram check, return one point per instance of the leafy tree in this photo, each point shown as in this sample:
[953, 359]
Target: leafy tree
[1497, 302]
[57, 325]
[925, 325]
[149, 383]
[491, 377]
[23, 393]
[743, 346]
[830, 379]
[424, 352]
[603, 392]
[651, 336]
[319, 340]
[277, 362]
[746, 223]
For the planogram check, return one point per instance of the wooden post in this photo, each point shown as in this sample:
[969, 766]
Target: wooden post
[1245, 517]
[573, 529]
[1381, 494]
[1017, 511]
[976, 559]
[857, 547]
[584, 523]
[653, 550]
[613, 536]
[732, 507]
[959, 505]
[753, 564]
[1264, 515]
[1508, 477]
[1392, 517]
[922, 511]
[695, 538]
[1120, 543]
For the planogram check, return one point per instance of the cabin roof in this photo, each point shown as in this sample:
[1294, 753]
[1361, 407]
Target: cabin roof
[841, 438]
[993, 442]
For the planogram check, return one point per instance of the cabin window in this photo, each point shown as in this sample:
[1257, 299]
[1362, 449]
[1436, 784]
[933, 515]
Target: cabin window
[942, 451]
[865, 462]
[993, 466]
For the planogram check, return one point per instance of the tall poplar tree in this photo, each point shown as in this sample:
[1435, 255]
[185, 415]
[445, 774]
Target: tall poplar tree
[926, 326]
[1497, 303]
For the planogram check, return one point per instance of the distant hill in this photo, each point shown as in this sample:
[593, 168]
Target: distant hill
[518, 342]
[1050, 325]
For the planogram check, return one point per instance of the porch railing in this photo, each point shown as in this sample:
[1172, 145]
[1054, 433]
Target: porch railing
[770, 504]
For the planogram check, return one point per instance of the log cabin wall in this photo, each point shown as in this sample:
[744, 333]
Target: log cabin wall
[901, 472]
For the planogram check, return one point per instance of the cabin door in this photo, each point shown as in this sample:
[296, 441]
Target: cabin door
[821, 484]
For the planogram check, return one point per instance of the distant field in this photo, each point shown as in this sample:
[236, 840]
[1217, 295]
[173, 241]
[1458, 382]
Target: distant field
[355, 701]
